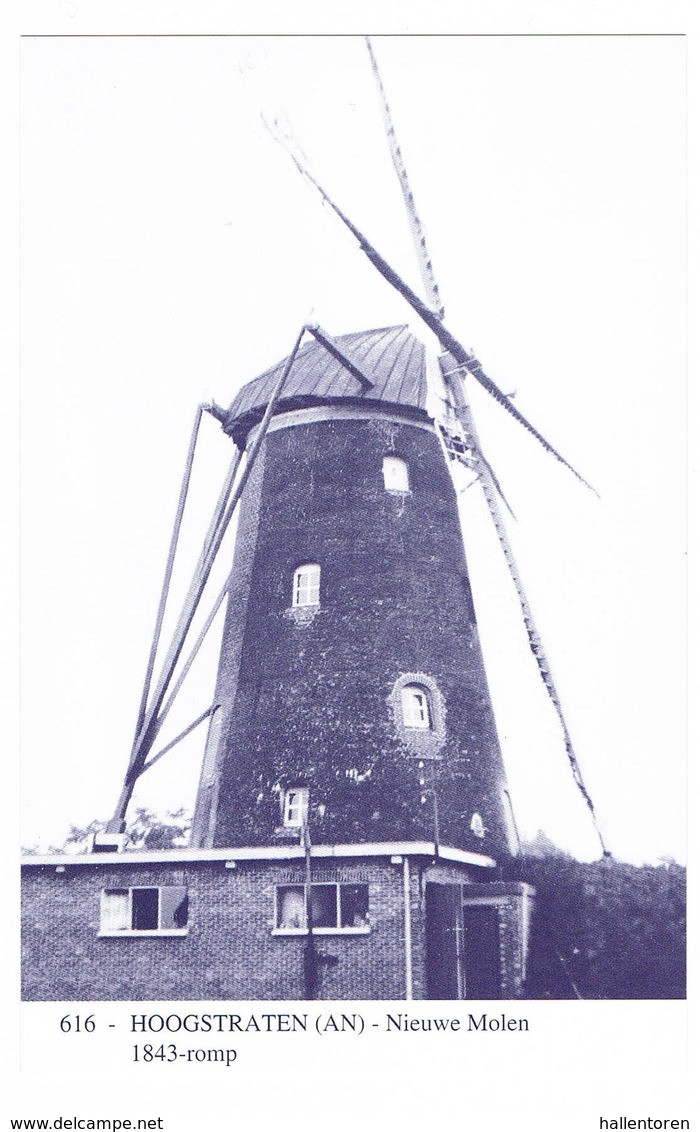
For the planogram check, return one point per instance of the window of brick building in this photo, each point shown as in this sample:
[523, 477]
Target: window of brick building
[307, 585]
[334, 908]
[144, 910]
[395, 474]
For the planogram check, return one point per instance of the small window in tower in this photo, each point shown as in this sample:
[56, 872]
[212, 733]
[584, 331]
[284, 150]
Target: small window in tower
[415, 705]
[296, 807]
[395, 474]
[477, 826]
[144, 911]
[307, 585]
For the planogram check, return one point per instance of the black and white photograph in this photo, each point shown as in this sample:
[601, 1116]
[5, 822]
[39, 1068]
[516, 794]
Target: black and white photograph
[353, 403]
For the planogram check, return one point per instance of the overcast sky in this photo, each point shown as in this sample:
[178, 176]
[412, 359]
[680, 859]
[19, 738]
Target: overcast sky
[170, 252]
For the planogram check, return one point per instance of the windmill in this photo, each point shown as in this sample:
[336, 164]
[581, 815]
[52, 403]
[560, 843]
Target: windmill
[351, 718]
[458, 434]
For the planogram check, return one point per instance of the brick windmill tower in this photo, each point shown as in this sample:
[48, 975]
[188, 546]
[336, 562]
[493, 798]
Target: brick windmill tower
[352, 702]
[352, 831]
[351, 675]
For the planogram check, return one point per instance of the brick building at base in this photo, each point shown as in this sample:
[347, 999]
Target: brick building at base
[392, 923]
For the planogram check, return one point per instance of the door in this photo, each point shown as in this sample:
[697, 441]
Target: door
[442, 908]
[480, 952]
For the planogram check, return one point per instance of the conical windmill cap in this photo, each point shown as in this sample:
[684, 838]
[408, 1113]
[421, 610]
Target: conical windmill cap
[390, 357]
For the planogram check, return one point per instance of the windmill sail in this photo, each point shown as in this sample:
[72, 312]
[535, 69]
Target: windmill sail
[452, 370]
[425, 263]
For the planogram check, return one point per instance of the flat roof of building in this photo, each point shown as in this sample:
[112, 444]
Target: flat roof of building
[264, 853]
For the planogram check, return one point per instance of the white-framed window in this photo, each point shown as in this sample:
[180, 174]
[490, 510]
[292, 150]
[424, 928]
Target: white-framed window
[306, 588]
[295, 806]
[334, 908]
[415, 707]
[144, 910]
[395, 474]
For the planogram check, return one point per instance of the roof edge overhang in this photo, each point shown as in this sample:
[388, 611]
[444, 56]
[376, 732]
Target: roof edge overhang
[239, 427]
[294, 852]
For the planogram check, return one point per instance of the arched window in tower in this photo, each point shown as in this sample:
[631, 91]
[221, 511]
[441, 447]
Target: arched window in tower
[395, 474]
[415, 707]
[307, 585]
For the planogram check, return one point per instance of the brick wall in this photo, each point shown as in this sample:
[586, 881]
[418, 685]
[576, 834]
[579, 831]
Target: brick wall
[229, 951]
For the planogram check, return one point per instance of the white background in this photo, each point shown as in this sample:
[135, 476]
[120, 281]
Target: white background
[170, 252]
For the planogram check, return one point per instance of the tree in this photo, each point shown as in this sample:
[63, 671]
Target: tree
[144, 830]
[147, 830]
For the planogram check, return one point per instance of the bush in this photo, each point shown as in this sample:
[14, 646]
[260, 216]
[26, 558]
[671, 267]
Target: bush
[605, 929]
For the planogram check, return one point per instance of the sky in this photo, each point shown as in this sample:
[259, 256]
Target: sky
[170, 252]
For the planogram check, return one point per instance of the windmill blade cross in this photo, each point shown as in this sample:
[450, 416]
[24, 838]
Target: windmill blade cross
[456, 359]
[452, 372]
